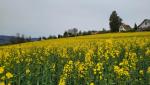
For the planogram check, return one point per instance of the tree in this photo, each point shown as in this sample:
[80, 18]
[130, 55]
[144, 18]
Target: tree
[66, 34]
[60, 36]
[52, 37]
[13, 40]
[18, 39]
[114, 21]
[73, 31]
[103, 30]
[22, 39]
[135, 27]
[40, 38]
[80, 32]
[44, 38]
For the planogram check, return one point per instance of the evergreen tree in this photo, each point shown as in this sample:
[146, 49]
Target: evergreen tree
[44, 38]
[114, 21]
[135, 27]
[40, 38]
[66, 34]
[60, 36]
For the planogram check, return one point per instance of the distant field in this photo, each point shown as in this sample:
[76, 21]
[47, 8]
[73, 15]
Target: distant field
[102, 59]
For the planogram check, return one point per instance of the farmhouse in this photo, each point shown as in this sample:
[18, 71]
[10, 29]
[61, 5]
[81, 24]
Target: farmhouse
[144, 26]
[124, 28]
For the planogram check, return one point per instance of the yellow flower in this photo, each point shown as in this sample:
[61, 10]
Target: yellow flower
[27, 71]
[62, 82]
[70, 62]
[148, 70]
[116, 68]
[3, 77]
[147, 52]
[1, 70]
[141, 72]
[121, 71]
[100, 77]
[94, 70]
[2, 83]
[9, 83]
[9, 75]
[81, 67]
[109, 41]
[91, 83]
[88, 56]
[126, 73]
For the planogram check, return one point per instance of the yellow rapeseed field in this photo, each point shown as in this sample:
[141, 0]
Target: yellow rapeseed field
[103, 59]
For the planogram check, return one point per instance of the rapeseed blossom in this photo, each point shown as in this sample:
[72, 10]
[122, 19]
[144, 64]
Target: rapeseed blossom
[141, 72]
[91, 83]
[2, 83]
[121, 72]
[9, 75]
[1, 70]
[27, 71]
[85, 60]
[62, 82]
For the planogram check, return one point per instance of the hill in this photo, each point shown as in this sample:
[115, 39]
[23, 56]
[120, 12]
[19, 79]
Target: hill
[90, 37]
[5, 39]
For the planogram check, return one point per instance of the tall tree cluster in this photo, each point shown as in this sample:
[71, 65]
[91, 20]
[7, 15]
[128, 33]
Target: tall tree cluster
[20, 39]
[114, 22]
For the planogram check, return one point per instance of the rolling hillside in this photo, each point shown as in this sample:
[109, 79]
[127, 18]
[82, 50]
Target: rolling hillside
[5, 39]
[100, 37]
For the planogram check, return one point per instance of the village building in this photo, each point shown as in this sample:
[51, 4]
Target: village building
[124, 28]
[144, 26]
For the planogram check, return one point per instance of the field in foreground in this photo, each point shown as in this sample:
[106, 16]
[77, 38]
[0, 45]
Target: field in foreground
[104, 59]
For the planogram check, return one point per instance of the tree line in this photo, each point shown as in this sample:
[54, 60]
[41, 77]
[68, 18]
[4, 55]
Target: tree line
[73, 33]
[114, 22]
[20, 39]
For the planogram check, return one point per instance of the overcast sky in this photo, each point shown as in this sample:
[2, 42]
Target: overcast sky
[45, 17]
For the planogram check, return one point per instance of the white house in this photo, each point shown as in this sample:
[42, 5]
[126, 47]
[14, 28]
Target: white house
[124, 28]
[145, 25]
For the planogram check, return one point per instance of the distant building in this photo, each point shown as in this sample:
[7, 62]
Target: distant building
[144, 26]
[124, 28]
